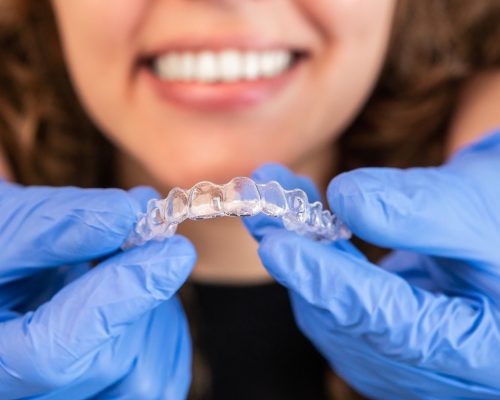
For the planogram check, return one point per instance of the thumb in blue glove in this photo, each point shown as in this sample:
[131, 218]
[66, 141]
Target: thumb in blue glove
[381, 330]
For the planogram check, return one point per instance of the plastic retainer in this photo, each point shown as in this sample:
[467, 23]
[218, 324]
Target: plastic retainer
[239, 197]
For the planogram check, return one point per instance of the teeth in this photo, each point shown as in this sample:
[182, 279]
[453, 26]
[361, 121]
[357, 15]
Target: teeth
[186, 69]
[225, 66]
[270, 64]
[251, 66]
[230, 66]
[169, 67]
[205, 67]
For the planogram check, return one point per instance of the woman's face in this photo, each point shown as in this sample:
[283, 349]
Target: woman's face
[198, 90]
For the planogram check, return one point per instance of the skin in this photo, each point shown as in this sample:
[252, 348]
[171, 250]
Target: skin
[348, 40]
[477, 112]
[103, 40]
[165, 145]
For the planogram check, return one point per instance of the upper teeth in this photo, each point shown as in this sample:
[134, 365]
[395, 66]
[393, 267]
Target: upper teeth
[224, 66]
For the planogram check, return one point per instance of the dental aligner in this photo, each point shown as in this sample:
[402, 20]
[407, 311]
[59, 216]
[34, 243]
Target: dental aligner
[239, 197]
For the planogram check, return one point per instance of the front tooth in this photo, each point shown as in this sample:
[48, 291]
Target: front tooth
[251, 66]
[187, 64]
[206, 68]
[230, 66]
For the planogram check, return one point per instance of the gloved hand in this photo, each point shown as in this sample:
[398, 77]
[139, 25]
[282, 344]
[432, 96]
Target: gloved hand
[426, 323]
[116, 331]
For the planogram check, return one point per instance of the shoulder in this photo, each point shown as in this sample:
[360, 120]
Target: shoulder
[477, 112]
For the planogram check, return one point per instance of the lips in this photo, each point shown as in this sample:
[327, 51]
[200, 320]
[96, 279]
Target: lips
[214, 77]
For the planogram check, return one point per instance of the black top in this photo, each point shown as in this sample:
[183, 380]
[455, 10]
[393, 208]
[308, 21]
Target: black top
[252, 346]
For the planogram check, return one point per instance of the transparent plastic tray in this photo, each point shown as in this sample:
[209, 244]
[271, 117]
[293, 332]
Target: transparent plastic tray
[238, 198]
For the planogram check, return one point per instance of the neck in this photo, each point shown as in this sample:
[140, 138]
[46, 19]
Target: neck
[226, 252]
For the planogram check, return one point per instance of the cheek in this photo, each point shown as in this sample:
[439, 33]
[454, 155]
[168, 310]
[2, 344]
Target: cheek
[355, 37]
[356, 34]
[180, 148]
[99, 40]
[349, 19]
[102, 23]
[98, 36]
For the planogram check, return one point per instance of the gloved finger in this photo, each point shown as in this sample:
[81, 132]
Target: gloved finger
[27, 293]
[426, 210]
[380, 376]
[162, 369]
[479, 159]
[44, 227]
[148, 350]
[259, 224]
[412, 267]
[62, 337]
[371, 305]
[142, 194]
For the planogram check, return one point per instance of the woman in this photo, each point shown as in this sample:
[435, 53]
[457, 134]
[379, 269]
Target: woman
[405, 81]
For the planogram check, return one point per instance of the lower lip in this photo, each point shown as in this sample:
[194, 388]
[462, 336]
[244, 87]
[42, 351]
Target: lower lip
[221, 96]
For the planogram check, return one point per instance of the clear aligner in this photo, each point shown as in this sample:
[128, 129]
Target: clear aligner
[239, 197]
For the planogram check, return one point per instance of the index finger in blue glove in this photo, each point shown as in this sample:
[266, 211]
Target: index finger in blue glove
[446, 211]
[43, 227]
[58, 342]
[258, 225]
[142, 194]
[396, 319]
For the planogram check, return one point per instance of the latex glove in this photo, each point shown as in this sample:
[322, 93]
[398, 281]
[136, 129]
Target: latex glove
[426, 324]
[113, 332]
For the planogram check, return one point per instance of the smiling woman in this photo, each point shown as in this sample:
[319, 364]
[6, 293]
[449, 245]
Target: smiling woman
[400, 119]
[133, 104]
[169, 93]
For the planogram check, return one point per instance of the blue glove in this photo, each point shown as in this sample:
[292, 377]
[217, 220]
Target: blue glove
[426, 322]
[115, 331]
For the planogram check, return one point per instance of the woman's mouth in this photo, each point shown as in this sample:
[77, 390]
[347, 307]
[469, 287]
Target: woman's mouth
[222, 79]
[221, 67]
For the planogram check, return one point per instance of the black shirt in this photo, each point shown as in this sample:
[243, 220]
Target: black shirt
[249, 339]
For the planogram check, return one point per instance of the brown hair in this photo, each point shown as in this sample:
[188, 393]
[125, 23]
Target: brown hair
[436, 46]
[45, 134]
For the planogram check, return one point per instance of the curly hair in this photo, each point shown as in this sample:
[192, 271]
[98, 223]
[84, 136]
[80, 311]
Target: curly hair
[44, 132]
[436, 46]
